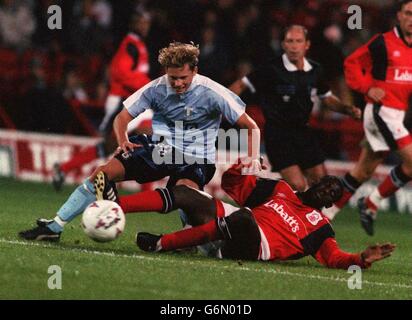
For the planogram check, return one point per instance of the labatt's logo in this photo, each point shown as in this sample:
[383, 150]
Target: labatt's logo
[278, 208]
[403, 75]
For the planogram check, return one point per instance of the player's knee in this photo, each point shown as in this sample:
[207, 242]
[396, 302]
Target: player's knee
[97, 170]
[199, 206]
[114, 171]
[188, 192]
[178, 196]
[181, 191]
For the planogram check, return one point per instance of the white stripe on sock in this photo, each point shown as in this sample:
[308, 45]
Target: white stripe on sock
[59, 221]
[375, 197]
[165, 200]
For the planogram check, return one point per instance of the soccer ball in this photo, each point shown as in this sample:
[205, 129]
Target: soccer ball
[103, 220]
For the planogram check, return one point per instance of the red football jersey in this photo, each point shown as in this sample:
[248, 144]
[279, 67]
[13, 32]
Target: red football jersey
[289, 229]
[129, 67]
[384, 62]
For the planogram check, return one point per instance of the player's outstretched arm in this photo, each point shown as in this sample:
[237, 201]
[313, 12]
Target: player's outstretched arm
[120, 129]
[253, 165]
[377, 252]
[331, 256]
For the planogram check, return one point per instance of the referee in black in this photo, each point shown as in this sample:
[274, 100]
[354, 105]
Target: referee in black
[285, 88]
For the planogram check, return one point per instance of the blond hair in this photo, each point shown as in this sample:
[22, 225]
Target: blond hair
[178, 54]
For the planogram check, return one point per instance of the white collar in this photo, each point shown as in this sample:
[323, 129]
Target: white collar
[291, 67]
[134, 35]
[396, 31]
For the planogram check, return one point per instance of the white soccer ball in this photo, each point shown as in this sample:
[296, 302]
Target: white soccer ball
[103, 220]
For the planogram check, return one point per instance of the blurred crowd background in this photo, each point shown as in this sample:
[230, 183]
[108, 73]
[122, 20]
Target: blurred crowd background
[56, 81]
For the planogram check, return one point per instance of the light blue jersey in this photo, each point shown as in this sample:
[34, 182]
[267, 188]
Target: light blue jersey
[190, 121]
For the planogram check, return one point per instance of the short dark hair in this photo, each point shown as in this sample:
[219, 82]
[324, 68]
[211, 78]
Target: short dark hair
[296, 26]
[401, 3]
[324, 193]
[136, 16]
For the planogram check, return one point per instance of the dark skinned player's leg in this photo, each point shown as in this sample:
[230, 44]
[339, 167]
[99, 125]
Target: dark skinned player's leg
[239, 229]
[199, 206]
[200, 209]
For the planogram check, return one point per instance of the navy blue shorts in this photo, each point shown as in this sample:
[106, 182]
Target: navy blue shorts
[139, 165]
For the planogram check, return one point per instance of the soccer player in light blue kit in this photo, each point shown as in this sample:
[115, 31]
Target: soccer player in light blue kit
[188, 108]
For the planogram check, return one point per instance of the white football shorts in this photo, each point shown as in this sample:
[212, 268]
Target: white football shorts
[384, 128]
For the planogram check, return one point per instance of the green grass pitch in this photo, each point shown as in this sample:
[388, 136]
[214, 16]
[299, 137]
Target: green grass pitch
[119, 270]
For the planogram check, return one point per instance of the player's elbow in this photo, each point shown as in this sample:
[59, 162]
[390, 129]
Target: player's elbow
[123, 118]
[251, 125]
[117, 122]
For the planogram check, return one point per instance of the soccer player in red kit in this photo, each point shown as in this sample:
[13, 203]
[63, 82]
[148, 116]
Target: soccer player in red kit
[382, 71]
[274, 222]
[128, 72]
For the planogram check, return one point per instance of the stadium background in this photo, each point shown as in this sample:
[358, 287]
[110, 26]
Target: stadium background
[56, 81]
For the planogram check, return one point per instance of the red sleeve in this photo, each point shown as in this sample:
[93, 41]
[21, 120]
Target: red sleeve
[358, 69]
[135, 81]
[123, 69]
[331, 256]
[238, 186]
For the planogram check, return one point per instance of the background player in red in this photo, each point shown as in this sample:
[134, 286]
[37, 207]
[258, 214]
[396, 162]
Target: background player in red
[128, 72]
[382, 71]
[280, 224]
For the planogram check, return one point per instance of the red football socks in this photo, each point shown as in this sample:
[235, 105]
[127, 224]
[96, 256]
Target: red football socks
[350, 185]
[191, 237]
[346, 195]
[387, 187]
[142, 202]
[372, 206]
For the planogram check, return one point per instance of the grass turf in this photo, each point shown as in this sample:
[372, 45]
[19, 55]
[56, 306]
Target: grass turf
[119, 270]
